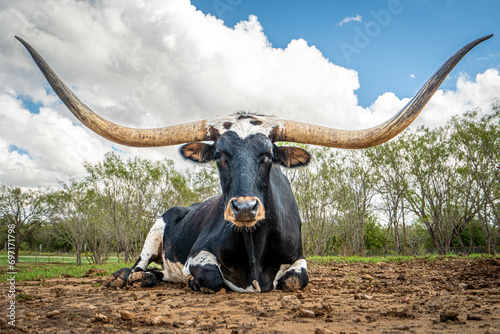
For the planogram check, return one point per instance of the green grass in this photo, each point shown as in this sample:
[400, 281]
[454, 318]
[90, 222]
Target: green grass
[31, 272]
[44, 258]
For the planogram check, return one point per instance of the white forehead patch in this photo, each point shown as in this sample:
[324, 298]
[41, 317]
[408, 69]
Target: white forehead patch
[245, 124]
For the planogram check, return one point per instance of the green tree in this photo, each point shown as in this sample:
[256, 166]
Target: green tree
[132, 194]
[23, 212]
[78, 208]
[440, 192]
[374, 235]
[477, 140]
[391, 165]
[200, 184]
[334, 197]
[316, 193]
[357, 188]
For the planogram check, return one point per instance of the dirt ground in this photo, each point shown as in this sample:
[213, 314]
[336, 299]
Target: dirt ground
[452, 296]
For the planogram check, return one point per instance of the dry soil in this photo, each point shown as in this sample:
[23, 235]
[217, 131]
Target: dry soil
[456, 295]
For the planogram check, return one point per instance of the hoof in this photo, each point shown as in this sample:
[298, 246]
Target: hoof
[142, 279]
[292, 284]
[118, 279]
[195, 286]
[293, 280]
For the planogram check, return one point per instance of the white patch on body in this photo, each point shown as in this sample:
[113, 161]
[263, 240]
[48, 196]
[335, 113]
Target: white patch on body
[203, 258]
[153, 242]
[172, 271]
[237, 289]
[242, 124]
[297, 266]
[206, 258]
[256, 285]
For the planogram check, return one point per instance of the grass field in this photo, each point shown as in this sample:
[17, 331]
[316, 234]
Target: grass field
[43, 259]
[32, 272]
[47, 258]
[32, 266]
[65, 265]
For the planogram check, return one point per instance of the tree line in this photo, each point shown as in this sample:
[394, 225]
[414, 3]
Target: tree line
[440, 185]
[429, 188]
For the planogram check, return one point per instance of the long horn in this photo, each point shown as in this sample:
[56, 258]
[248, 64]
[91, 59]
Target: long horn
[166, 136]
[298, 132]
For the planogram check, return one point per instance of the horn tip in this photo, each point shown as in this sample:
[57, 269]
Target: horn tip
[480, 40]
[23, 42]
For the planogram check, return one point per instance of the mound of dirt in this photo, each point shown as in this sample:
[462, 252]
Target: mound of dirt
[95, 272]
[449, 296]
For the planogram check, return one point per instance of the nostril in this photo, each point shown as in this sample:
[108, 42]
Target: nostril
[235, 206]
[254, 205]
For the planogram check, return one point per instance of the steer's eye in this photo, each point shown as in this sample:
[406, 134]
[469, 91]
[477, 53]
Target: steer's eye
[267, 158]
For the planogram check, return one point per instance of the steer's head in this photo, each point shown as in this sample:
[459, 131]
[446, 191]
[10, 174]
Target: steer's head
[244, 151]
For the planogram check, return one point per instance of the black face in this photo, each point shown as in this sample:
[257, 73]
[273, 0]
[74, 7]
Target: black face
[245, 168]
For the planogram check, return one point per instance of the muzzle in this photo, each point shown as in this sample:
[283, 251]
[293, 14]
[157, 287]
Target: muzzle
[244, 211]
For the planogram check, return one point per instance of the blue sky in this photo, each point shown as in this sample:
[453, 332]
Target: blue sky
[416, 38]
[147, 64]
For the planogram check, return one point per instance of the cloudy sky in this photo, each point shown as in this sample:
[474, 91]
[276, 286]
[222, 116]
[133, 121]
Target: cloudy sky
[347, 64]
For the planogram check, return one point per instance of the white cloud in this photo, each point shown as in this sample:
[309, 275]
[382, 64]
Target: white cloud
[357, 18]
[150, 64]
[469, 94]
[56, 148]
[412, 76]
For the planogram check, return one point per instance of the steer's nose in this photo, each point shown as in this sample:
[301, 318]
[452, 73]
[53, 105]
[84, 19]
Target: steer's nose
[244, 210]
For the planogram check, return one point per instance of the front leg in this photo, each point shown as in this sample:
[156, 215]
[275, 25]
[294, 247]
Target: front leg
[153, 247]
[151, 252]
[203, 273]
[292, 277]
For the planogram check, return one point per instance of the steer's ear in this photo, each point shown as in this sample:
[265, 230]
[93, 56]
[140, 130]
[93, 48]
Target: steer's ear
[290, 156]
[198, 152]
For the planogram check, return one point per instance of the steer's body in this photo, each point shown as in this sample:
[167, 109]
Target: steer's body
[200, 245]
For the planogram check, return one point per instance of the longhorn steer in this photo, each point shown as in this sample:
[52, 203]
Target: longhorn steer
[247, 239]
